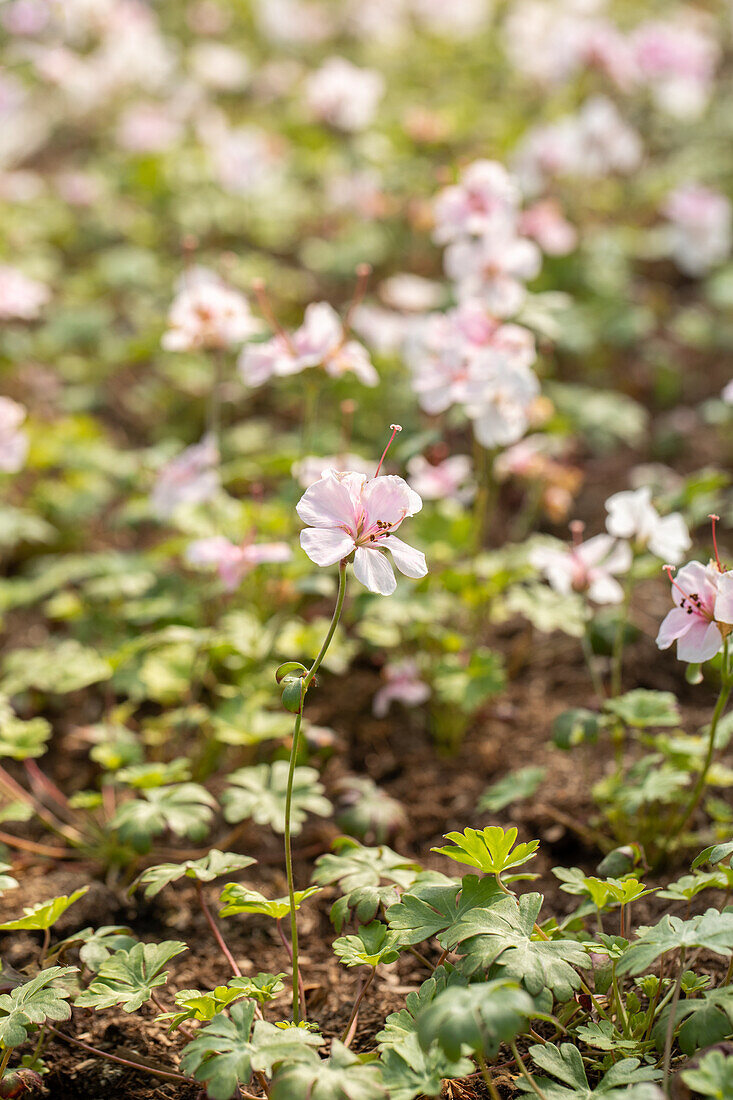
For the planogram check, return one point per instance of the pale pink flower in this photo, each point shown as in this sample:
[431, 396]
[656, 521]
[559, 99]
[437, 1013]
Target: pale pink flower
[700, 230]
[293, 22]
[219, 66]
[147, 128]
[348, 513]
[13, 441]
[724, 600]
[384, 330]
[486, 199]
[677, 60]
[320, 341]
[544, 222]
[25, 17]
[245, 159]
[459, 19]
[77, 187]
[403, 686]
[589, 567]
[727, 394]
[361, 192]
[234, 561]
[493, 269]
[192, 477]
[311, 469]
[343, 95]
[692, 622]
[206, 313]
[410, 293]
[21, 298]
[444, 480]
[631, 515]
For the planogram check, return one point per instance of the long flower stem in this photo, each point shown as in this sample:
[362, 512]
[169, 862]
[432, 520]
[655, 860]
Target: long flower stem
[217, 934]
[672, 1022]
[304, 685]
[525, 1072]
[351, 1025]
[697, 790]
[617, 655]
[493, 1091]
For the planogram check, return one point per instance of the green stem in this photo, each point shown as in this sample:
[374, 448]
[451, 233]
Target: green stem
[525, 1072]
[590, 661]
[493, 1091]
[617, 656]
[697, 790]
[619, 1003]
[4, 1063]
[671, 1023]
[304, 685]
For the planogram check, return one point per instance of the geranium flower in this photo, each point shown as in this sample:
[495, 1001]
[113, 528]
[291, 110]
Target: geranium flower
[590, 567]
[693, 621]
[499, 394]
[233, 561]
[320, 341]
[485, 199]
[403, 686]
[700, 228]
[631, 515]
[544, 222]
[192, 477]
[348, 513]
[206, 313]
[13, 441]
[494, 269]
[443, 480]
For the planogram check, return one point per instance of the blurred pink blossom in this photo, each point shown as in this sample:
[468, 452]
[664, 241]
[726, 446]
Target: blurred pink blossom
[148, 128]
[21, 298]
[494, 269]
[544, 222]
[403, 686]
[233, 562]
[206, 313]
[446, 480]
[485, 200]
[13, 441]
[590, 567]
[677, 59]
[700, 229]
[344, 95]
[320, 341]
[192, 477]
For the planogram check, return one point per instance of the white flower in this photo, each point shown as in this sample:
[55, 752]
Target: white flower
[494, 269]
[206, 313]
[21, 298]
[589, 567]
[631, 515]
[700, 228]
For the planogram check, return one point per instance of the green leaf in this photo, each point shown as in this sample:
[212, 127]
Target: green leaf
[45, 913]
[211, 866]
[576, 726]
[97, 944]
[432, 908]
[713, 1076]
[259, 793]
[565, 1063]
[32, 1003]
[21, 739]
[716, 853]
[341, 1077]
[128, 978]
[374, 944]
[711, 930]
[364, 809]
[503, 935]
[642, 708]
[226, 1051]
[702, 1021]
[514, 787]
[56, 668]
[478, 1018]
[237, 899]
[491, 850]
[468, 685]
[260, 987]
[367, 877]
[185, 809]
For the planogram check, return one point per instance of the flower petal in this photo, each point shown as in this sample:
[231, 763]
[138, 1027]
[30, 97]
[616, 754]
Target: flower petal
[408, 560]
[702, 641]
[724, 599]
[676, 623]
[326, 546]
[373, 570]
[389, 499]
[331, 502]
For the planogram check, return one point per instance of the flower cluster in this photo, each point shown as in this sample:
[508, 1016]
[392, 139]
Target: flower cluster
[699, 228]
[320, 341]
[206, 313]
[344, 95]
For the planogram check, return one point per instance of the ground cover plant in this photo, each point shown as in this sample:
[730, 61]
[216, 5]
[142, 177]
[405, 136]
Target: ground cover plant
[365, 518]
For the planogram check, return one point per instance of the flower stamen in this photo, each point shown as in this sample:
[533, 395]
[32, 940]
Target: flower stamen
[394, 428]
